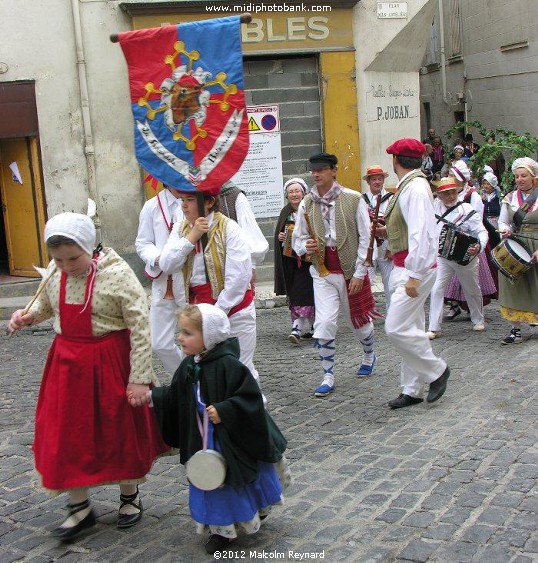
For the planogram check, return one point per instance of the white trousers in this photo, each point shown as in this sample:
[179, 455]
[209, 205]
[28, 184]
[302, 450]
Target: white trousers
[330, 294]
[404, 325]
[385, 268]
[468, 277]
[163, 321]
[243, 326]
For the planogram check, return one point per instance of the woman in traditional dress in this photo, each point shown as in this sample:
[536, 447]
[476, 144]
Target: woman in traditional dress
[292, 272]
[519, 218]
[86, 433]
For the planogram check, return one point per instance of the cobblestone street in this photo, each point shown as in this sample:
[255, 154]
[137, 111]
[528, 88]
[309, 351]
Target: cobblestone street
[455, 481]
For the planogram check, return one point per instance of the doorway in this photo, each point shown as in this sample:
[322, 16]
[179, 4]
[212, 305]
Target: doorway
[23, 208]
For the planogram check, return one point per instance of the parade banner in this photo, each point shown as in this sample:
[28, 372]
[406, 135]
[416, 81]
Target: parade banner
[188, 102]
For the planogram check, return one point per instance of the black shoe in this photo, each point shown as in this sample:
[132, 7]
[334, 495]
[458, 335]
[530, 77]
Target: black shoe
[128, 520]
[404, 401]
[307, 336]
[454, 311]
[438, 387]
[66, 533]
[216, 543]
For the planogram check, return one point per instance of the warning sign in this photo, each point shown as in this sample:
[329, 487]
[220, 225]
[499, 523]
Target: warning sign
[260, 175]
[263, 119]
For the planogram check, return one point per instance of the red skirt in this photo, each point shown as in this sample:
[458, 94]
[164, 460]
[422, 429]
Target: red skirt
[86, 433]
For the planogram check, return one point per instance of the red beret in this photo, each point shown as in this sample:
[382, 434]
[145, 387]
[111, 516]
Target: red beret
[407, 147]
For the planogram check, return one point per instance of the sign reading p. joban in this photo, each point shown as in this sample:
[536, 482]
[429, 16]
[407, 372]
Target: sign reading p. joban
[260, 176]
[391, 100]
[188, 103]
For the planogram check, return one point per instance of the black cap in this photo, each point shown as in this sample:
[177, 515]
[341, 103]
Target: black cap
[322, 159]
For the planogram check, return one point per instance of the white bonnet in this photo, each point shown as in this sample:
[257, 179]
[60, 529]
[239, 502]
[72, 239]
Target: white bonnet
[75, 226]
[461, 171]
[299, 181]
[527, 163]
[488, 169]
[491, 179]
[459, 147]
[215, 325]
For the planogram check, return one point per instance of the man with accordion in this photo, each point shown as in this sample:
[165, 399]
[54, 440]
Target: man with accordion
[462, 236]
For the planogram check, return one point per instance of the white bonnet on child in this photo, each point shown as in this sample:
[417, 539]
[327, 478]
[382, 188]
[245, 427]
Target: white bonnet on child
[215, 325]
[75, 226]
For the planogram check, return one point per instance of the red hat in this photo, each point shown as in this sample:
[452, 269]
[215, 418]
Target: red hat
[374, 171]
[407, 147]
[213, 191]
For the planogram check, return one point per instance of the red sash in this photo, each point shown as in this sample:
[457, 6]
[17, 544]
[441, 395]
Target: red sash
[202, 294]
[361, 304]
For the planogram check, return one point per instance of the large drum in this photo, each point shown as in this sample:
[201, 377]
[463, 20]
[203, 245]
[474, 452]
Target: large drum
[511, 258]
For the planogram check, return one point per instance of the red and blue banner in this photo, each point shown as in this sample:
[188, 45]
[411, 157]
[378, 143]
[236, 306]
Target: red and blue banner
[188, 102]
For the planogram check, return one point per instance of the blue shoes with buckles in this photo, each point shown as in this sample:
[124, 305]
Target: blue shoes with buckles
[365, 370]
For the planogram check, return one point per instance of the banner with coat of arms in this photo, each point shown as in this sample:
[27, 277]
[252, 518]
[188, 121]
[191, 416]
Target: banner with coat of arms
[188, 102]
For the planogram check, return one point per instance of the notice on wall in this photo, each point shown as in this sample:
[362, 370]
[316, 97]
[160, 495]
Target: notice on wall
[260, 175]
[391, 101]
[392, 10]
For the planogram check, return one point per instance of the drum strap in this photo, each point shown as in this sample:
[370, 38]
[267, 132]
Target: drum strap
[202, 427]
[519, 215]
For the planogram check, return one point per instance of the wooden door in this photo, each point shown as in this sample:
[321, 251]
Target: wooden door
[23, 206]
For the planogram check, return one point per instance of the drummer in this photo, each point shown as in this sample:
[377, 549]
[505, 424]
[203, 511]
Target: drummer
[519, 216]
[447, 206]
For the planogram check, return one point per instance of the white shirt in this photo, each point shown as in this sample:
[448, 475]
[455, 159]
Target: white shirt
[416, 205]
[379, 250]
[476, 201]
[362, 219]
[153, 230]
[256, 240]
[511, 201]
[237, 267]
[472, 226]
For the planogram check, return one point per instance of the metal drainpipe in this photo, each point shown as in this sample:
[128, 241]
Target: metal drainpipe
[442, 49]
[89, 150]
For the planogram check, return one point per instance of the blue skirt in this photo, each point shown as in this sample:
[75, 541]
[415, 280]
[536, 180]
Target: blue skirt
[228, 505]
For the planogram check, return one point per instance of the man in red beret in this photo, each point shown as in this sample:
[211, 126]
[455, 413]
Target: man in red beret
[413, 240]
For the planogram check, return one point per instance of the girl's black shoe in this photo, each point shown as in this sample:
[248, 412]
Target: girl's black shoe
[128, 520]
[66, 533]
[216, 543]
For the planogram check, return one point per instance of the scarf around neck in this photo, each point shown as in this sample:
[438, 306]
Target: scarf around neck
[326, 200]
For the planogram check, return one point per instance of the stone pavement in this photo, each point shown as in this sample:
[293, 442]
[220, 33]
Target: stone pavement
[455, 481]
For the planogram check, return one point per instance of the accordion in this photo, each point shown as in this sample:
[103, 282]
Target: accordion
[287, 250]
[454, 245]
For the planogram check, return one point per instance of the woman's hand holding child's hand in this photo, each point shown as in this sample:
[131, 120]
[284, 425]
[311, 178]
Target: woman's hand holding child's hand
[213, 415]
[138, 395]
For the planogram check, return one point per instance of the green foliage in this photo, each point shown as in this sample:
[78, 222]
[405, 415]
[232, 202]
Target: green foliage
[511, 144]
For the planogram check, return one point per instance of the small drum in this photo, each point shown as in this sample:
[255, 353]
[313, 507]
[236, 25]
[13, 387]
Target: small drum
[206, 470]
[454, 245]
[511, 258]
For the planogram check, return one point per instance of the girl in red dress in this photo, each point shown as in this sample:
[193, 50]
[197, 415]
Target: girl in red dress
[86, 433]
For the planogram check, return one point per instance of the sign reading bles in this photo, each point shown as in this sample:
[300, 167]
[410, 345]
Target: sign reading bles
[390, 102]
[392, 10]
[260, 175]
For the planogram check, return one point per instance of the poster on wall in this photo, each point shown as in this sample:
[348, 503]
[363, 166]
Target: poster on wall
[260, 175]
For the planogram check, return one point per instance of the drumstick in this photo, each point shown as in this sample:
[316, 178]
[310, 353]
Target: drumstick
[41, 287]
[518, 235]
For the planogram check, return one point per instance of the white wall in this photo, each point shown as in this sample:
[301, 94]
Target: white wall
[389, 53]
[39, 44]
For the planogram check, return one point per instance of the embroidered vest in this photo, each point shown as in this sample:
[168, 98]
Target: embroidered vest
[214, 254]
[397, 232]
[347, 237]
